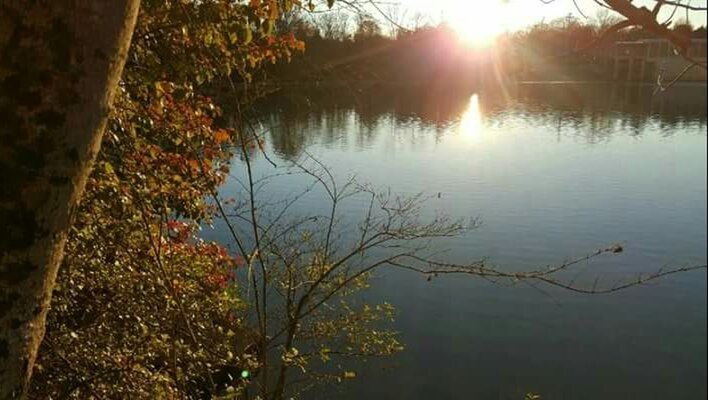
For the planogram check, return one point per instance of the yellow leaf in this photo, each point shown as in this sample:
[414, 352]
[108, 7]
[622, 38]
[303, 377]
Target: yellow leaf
[108, 168]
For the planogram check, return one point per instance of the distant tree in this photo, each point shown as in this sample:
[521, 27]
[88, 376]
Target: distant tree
[683, 27]
[604, 19]
[396, 19]
[334, 25]
[701, 33]
[418, 21]
[367, 28]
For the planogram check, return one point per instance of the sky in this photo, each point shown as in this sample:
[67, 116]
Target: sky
[510, 15]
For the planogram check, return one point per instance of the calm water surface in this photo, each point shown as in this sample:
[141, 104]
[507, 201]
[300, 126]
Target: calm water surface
[552, 171]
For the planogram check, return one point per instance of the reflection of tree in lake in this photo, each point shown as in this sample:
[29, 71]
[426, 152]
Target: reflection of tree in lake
[687, 101]
[590, 112]
[330, 117]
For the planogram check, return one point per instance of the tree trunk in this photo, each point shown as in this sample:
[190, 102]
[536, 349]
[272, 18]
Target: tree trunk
[60, 61]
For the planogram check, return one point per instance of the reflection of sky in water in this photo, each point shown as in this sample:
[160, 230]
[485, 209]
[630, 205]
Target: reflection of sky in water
[551, 175]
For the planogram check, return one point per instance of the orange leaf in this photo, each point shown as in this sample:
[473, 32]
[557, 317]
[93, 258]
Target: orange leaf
[221, 136]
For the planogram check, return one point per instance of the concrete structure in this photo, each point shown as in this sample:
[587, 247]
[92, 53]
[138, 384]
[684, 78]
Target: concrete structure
[644, 60]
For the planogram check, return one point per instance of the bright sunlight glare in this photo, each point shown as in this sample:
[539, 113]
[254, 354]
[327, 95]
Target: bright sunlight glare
[477, 23]
[471, 124]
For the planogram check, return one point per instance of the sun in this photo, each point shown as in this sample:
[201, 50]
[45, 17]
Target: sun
[477, 23]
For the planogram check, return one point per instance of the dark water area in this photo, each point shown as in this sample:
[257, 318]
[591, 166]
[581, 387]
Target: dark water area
[553, 171]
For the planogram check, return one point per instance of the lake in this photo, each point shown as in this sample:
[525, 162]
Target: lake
[552, 171]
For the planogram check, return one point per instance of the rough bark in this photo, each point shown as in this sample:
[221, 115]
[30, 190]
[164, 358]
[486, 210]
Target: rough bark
[60, 62]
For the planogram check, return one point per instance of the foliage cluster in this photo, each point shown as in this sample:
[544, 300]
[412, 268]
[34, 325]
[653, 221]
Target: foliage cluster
[145, 308]
[142, 308]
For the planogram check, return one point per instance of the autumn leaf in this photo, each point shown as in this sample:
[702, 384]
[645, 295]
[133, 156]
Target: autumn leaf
[221, 135]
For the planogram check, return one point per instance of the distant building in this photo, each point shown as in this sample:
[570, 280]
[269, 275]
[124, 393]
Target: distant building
[643, 60]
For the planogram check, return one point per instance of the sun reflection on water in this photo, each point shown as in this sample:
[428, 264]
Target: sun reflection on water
[471, 125]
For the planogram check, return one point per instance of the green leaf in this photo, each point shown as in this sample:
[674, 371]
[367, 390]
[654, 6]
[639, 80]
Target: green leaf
[108, 168]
